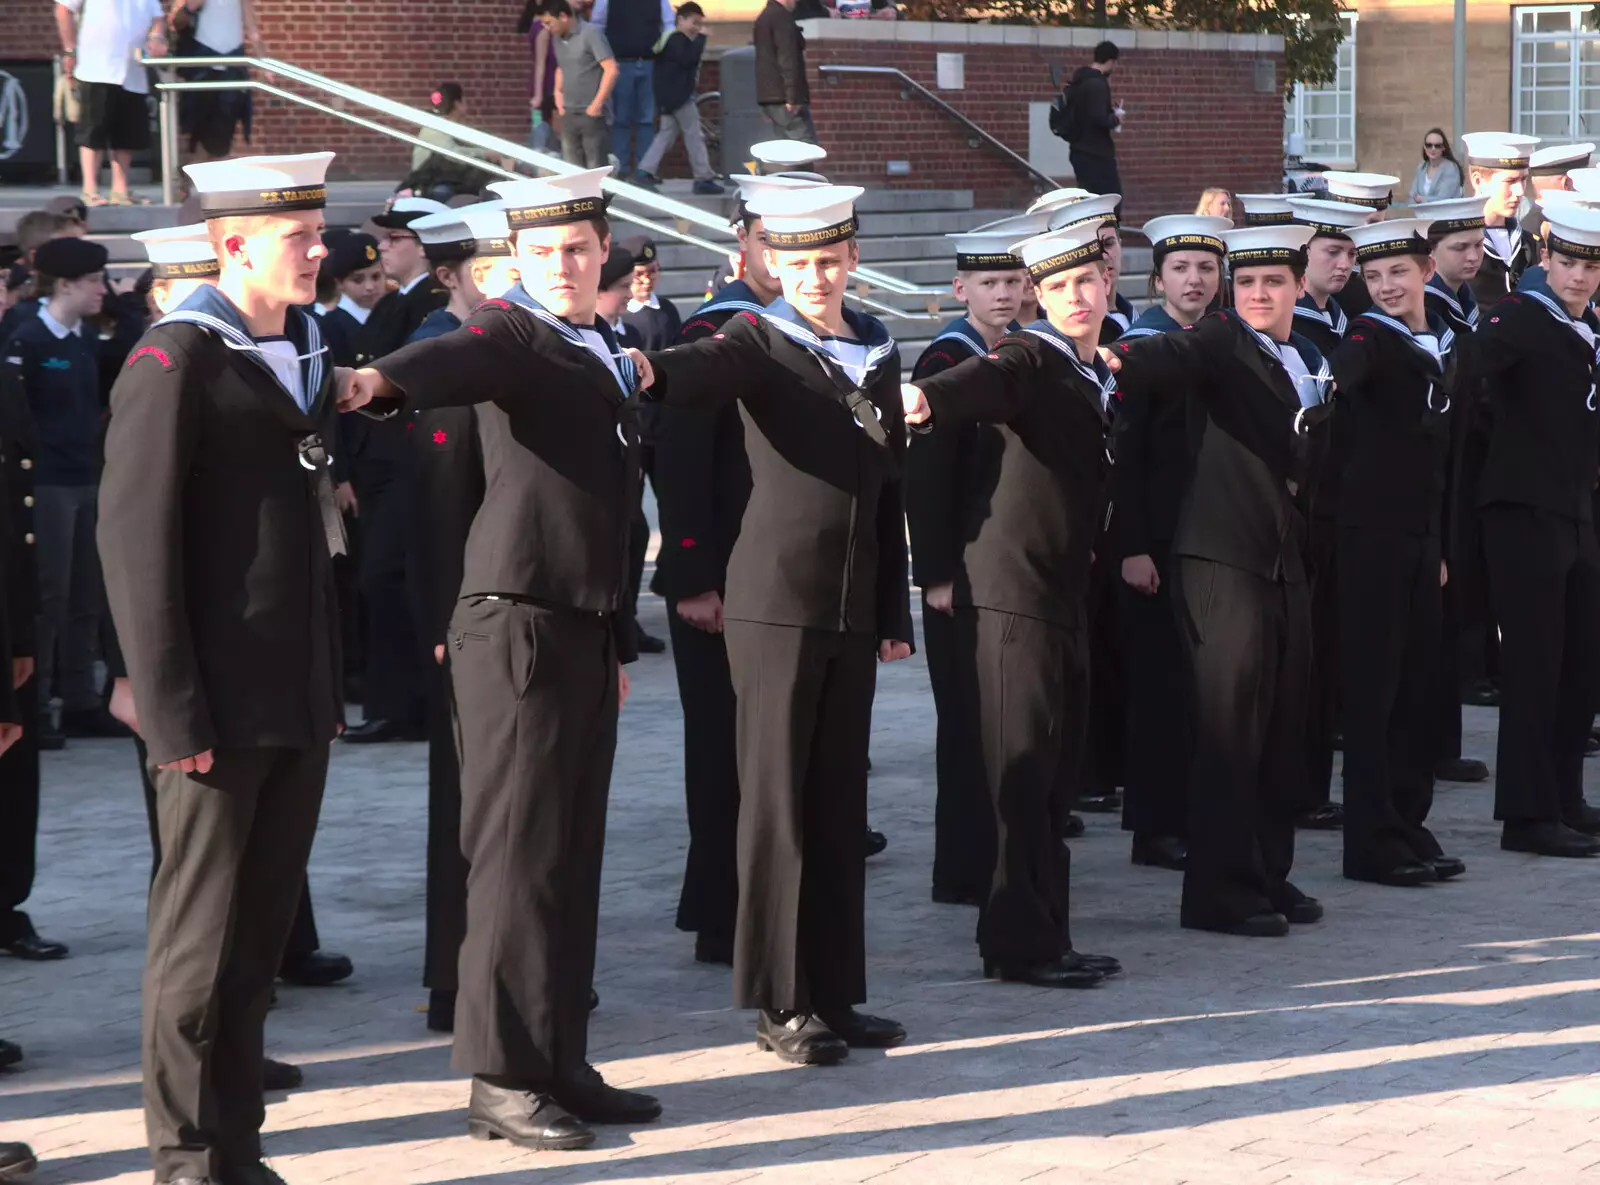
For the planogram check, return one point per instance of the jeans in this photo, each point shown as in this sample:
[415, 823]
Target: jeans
[687, 119]
[633, 108]
[790, 125]
[583, 139]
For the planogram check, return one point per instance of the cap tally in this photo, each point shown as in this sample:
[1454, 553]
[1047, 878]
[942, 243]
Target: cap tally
[1186, 232]
[985, 252]
[809, 217]
[553, 200]
[1058, 250]
[1397, 236]
[250, 185]
[1266, 209]
[1263, 246]
[179, 252]
[1456, 214]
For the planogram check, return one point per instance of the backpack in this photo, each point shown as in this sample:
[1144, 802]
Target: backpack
[1064, 120]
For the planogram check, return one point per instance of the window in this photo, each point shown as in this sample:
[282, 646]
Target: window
[1557, 91]
[1325, 116]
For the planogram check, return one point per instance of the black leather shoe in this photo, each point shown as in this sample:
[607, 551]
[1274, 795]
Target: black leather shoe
[799, 1039]
[10, 1053]
[441, 1011]
[92, 722]
[527, 1118]
[1057, 973]
[1482, 694]
[588, 1097]
[33, 948]
[1300, 909]
[1461, 769]
[1585, 819]
[951, 895]
[1407, 874]
[1159, 851]
[372, 732]
[1073, 826]
[1104, 964]
[649, 644]
[1547, 839]
[1099, 804]
[16, 1161]
[317, 969]
[876, 842]
[861, 1031]
[1445, 867]
[1267, 924]
[713, 948]
[276, 1075]
[1327, 817]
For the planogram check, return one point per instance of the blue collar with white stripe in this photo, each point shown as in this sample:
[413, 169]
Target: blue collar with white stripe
[1096, 371]
[1153, 320]
[1332, 316]
[1462, 303]
[212, 311]
[869, 331]
[626, 373]
[737, 297]
[1543, 293]
[1317, 368]
[1436, 326]
[964, 331]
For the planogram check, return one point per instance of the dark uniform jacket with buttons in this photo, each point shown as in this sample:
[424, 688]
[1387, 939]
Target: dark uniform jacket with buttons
[939, 466]
[214, 541]
[702, 475]
[1540, 373]
[19, 590]
[1036, 491]
[560, 454]
[59, 379]
[1397, 404]
[822, 541]
[1150, 444]
[375, 450]
[1246, 458]
[1497, 278]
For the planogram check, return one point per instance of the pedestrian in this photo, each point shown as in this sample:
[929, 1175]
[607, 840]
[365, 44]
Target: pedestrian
[677, 73]
[586, 73]
[214, 29]
[1044, 396]
[1251, 388]
[782, 92]
[355, 262]
[1091, 120]
[1439, 176]
[100, 41]
[1150, 446]
[1497, 167]
[648, 322]
[1537, 354]
[653, 317]
[818, 387]
[634, 30]
[537, 647]
[217, 530]
[1215, 202]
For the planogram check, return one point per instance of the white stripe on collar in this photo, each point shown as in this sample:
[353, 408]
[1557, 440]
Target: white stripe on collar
[236, 339]
[1323, 377]
[626, 373]
[804, 337]
[1107, 386]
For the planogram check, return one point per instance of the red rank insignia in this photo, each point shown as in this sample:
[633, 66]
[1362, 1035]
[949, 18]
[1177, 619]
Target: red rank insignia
[687, 543]
[440, 436]
[155, 352]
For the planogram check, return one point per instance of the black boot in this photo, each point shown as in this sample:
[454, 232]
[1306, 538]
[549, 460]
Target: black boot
[442, 1010]
[527, 1118]
[861, 1031]
[591, 1099]
[799, 1038]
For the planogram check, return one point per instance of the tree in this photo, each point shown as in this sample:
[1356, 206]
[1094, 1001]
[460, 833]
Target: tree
[1311, 29]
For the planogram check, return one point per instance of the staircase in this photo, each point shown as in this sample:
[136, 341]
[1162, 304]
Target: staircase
[902, 233]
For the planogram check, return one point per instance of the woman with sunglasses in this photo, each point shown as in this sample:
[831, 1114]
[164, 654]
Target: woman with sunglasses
[1439, 175]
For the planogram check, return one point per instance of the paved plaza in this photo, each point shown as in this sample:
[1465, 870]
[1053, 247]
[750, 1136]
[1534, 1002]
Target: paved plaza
[1441, 1034]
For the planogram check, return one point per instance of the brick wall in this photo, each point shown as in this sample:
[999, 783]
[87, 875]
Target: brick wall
[30, 29]
[1195, 118]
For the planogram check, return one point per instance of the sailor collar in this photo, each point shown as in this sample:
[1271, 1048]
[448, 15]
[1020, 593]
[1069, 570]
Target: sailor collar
[1096, 372]
[1463, 303]
[1586, 326]
[1333, 316]
[626, 375]
[737, 297]
[1152, 321]
[962, 330]
[1317, 367]
[869, 331]
[208, 308]
[1436, 326]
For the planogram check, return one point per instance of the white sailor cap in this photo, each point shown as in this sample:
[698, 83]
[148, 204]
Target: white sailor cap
[1057, 198]
[1563, 199]
[1258, 246]
[1333, 219]
[1101, 210]
[1395, 236]
[404, 211]
[449, 237]
[1372, 190]
[1574, 232]
[1559, 158]
[810, 216]
[554, 200]
[781, 156]
[752, 184]
[250, 185]
[487, 222]
[1057, 250]
[1453, 215]
[1586, 181]
[1186, 232]
[1499, 150]
[179, 252]
[1018, 226]
[1266, 209]
[985, 251]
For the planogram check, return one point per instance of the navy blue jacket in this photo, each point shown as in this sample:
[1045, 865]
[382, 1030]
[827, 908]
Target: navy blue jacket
[677, 70]
[60, 382]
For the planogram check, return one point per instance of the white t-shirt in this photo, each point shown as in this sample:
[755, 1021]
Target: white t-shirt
[279, 353]
[110, 32]
[220, 27]
[850, 355]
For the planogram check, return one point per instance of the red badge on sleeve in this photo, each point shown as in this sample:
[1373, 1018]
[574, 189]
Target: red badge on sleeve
[155, 352]
[440, 436]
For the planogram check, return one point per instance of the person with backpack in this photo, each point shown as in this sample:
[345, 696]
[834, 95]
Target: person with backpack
[676, 75]
[1084, 116]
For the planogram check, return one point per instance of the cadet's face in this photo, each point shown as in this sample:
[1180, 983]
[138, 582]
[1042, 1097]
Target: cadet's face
[84, 295]
[1265, 297]
[753, 245]
[1543, 185]
[1574, 281]
[402, 255]
[644, 279]
[1328, 263]
[613, 301]
[993, 299]
[1503, 187]
[493, 274]
[1188, 283]
[167, 295]
[814, 281]
[1111, 245]
[279, 257]
[1030, 300]
[364, 285]
[1459, 256]
[1396, 285]
[561, 267]
[457, 279]
[1075, 301]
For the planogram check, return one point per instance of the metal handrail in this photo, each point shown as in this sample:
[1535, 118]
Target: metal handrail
[1044, 178]
[679, 212]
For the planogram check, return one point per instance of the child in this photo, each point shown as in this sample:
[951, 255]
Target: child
[676, 73]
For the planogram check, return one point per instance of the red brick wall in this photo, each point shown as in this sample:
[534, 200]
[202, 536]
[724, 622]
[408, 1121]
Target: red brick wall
[1194, 120]
[30, 29]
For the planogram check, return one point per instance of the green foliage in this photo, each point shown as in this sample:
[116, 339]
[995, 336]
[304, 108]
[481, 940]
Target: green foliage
[1311, 29]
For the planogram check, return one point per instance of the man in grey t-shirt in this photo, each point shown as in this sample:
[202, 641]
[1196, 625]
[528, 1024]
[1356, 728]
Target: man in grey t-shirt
[585, 73]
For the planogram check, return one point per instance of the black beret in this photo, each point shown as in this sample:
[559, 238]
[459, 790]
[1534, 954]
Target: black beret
[68, 206]
[617, 267]
[352, 253]
[642, 248]
[18, 275]
[70, 258]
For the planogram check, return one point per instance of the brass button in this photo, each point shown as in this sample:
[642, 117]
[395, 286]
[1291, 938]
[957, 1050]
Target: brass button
[27, 463]
[27, 500]
[28, 538]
